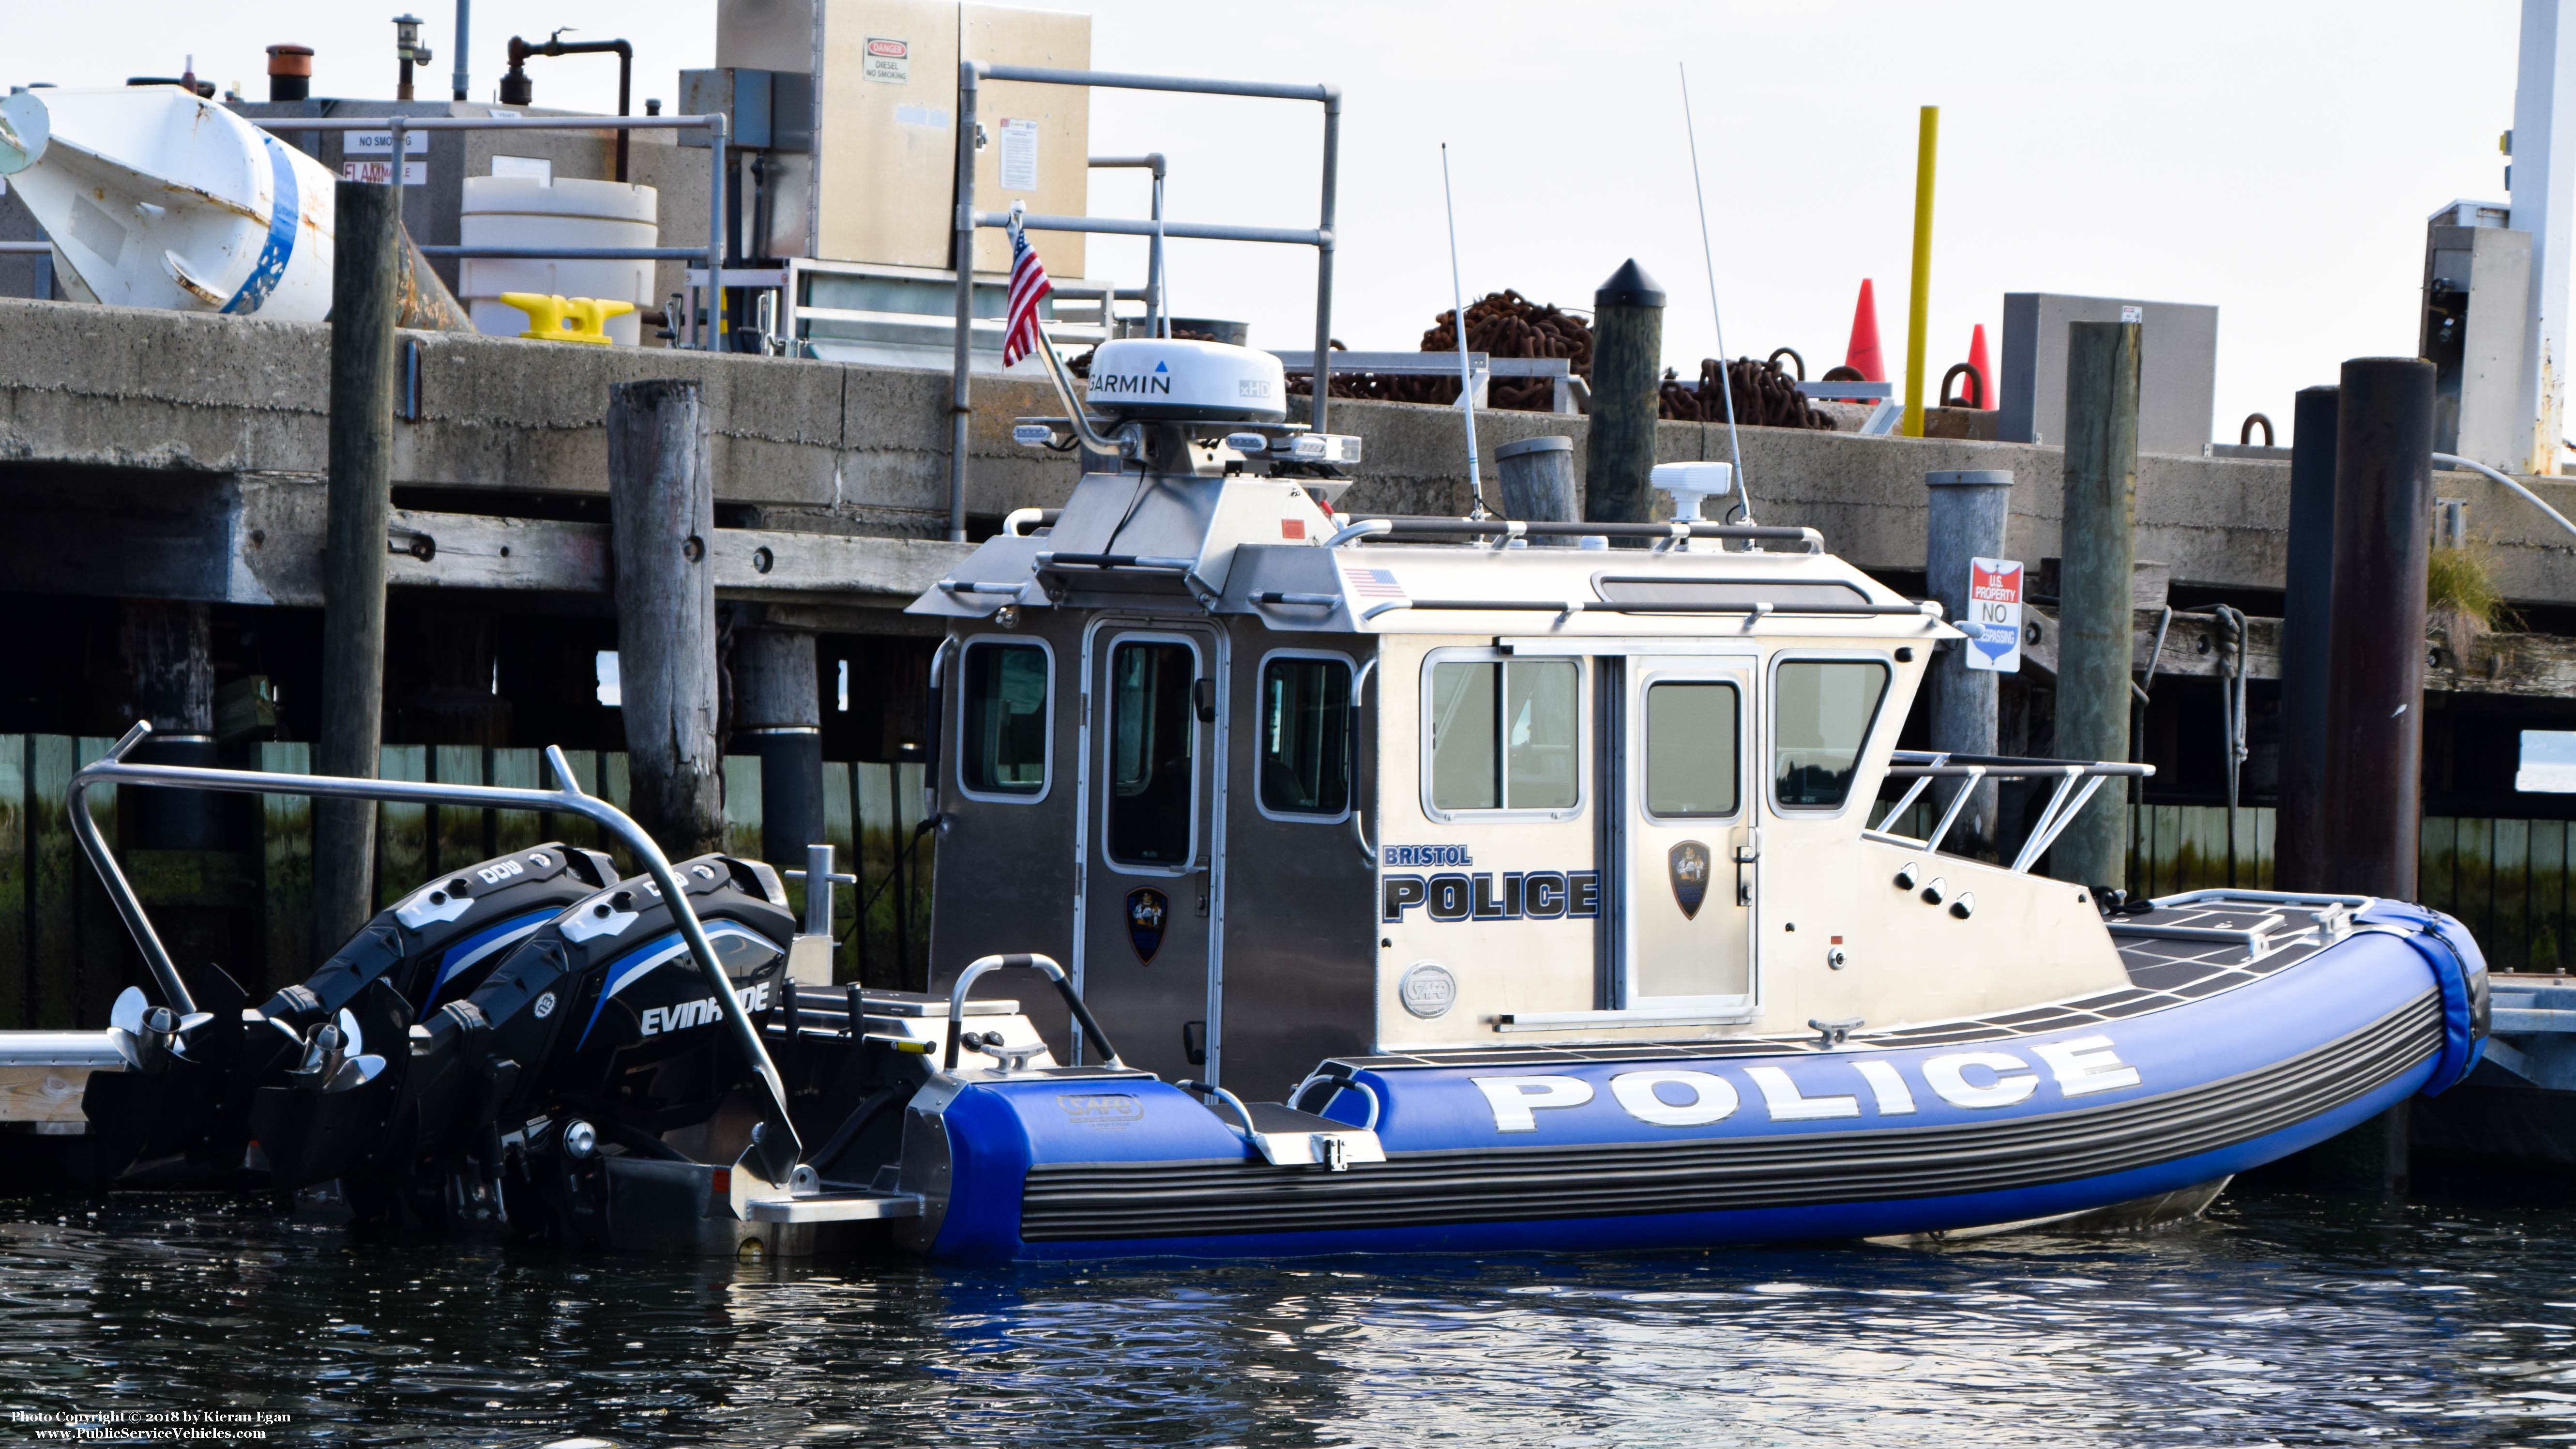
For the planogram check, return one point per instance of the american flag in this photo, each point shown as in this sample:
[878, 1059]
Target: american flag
[1373, 583]
[1029, 286]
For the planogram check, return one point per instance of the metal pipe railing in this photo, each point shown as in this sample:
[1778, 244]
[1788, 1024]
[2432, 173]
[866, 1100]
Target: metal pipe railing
[1158, 315]
[713, 124]
[1925, 766]
[778, 1146]
[970, 78]
[2453, 460]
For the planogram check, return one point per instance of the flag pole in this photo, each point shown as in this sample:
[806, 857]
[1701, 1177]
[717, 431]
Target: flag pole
[1708, 259]
[1458, 315]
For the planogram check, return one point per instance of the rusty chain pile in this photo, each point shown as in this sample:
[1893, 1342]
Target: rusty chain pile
[1765, 397]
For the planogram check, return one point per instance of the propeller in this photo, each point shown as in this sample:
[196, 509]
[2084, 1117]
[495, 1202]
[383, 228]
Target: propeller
[150, 1037]
[336, 1058]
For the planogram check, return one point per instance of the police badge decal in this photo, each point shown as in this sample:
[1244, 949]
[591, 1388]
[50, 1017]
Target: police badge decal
[1690, 861]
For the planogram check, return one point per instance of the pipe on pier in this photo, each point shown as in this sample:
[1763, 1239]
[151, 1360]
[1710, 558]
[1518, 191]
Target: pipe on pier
[1968, 512]
[778, 716]
[2307, 618]
[2383, 543]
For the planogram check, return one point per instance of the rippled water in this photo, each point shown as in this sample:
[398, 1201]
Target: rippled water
[2284, 1320]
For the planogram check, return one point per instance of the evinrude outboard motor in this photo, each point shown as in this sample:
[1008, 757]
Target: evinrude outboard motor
[183, 1106]
[313, 1090]
[603, 1017]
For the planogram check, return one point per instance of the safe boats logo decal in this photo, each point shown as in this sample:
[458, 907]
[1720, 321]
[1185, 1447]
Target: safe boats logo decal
[1980, 1080]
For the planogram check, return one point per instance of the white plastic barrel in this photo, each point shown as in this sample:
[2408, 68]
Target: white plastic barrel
[156, 198]
[524, 211]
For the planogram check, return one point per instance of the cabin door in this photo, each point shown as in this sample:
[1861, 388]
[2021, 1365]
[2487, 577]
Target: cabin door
[1150, 855]
[1691, 851]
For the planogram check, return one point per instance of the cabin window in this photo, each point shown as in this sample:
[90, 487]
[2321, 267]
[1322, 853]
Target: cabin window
[1305, 736]
[1822, 712]
[1691, 749]
[1153, 747]
[1505, 734]
[1003, 720]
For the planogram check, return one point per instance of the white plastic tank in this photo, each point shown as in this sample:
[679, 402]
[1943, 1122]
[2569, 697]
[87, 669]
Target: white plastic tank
[156, 198]
[526, 211]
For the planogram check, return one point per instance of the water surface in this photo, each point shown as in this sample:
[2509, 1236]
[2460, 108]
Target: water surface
[2281, 1320]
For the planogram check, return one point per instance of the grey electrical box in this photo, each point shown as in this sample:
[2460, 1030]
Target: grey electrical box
[2177, 368]
[2477, 312]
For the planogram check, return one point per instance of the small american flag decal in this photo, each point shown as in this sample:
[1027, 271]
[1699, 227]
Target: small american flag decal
[1373, 583]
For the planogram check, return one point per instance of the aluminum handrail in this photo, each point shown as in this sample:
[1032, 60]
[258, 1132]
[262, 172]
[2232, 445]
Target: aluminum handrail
[779, 1146]
[971, 75]
[1427, 527]
[713, 124]
[1925, 766]
[1045, 966]
[571, 254]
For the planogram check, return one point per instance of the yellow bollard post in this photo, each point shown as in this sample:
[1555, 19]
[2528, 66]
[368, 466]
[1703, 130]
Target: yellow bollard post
[566, 319]
[1919, 308]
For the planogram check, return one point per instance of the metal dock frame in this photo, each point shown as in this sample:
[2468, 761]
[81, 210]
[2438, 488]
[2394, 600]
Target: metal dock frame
[970, 78]
[776, 1148]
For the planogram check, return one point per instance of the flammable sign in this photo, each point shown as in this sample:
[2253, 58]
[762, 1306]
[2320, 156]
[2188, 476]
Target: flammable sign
[1993, 622]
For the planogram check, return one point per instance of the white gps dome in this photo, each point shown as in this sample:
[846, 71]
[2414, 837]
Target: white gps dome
[1162, 377]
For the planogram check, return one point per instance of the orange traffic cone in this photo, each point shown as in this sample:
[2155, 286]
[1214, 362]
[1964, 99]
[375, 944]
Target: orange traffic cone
[1985, 370]
[1863, 356]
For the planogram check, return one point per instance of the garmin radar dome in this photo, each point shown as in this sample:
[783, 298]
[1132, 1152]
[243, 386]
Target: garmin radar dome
[1183, 381]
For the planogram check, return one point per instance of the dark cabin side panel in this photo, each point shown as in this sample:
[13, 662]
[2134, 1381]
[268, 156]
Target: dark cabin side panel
[1300, 941]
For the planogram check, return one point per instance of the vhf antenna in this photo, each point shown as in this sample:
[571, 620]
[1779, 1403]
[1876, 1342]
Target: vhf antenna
[1458, 313]
[1708, 258]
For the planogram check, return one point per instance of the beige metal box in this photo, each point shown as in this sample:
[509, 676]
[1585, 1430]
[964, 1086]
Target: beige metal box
[885, 97]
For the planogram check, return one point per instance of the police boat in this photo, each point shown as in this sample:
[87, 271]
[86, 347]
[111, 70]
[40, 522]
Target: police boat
[1449, 887]
[1373, 884]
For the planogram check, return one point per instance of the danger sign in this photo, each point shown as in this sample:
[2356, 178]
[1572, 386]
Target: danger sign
[1993, 622]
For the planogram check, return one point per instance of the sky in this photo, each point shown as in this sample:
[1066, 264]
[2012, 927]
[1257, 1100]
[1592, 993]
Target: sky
[2275, 159]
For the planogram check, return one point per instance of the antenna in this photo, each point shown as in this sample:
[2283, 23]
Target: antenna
[1708, 258]
[1458, 314]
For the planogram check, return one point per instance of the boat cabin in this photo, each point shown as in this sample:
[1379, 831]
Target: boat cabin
[1276, 784]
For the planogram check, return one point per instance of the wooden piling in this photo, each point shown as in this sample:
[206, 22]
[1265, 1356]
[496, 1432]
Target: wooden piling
[170, 668]
[54, 865]
[2099, 555]
[15, 975]
[286, 900]
[366, 256]
[402, 831]
[1627, 396]
[2383, 532]
[661, 512]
